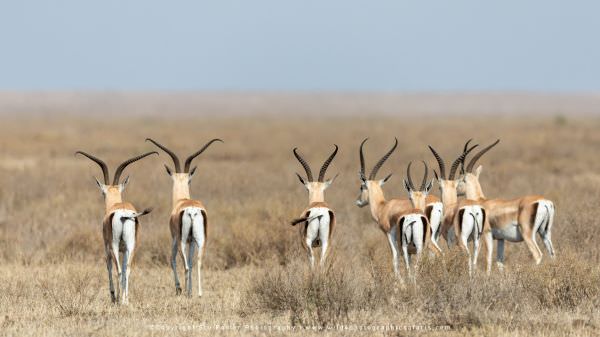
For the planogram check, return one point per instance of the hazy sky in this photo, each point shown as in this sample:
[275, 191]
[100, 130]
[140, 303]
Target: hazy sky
[393, 45]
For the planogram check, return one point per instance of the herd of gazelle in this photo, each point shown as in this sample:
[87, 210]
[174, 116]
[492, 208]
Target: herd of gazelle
[416, 222]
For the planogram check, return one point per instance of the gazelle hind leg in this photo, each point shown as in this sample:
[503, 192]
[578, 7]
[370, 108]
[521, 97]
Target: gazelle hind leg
[467, 228]
[174, 252]
[393, 242]
[547, 233]
[324, 238]
[190, 259]
[109, 265]
[312, 232]
[488, 241]
[199, 238]
[128, 236]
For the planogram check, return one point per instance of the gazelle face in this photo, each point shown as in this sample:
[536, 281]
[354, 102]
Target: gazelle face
[418, 198]
[366, 186]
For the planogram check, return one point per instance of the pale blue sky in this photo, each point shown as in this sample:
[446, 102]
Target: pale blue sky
[308, 45]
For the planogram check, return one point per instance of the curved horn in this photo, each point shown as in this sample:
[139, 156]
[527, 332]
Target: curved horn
[99, 162]
[326, 164]
[440, 163]
[304, 164]
[410, 182]
[478, 155]
[188, 161]
[382, 160]
[465, 148]
[458, 161]
[424, 182]
[170, 153]
[362, 157]
[126, 163]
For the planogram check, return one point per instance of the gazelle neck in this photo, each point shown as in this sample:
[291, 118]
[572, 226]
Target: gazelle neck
[181, 187]
[316, 196]
[376, 199]
[112, 197]
[449, 196]
[473, 189]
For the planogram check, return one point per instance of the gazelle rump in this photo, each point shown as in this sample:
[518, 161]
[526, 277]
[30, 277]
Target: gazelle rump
[464, 220]
[514, 220]
[431, 205]
[119, 226]
[318, 219]
[386, 213]
[188, 221]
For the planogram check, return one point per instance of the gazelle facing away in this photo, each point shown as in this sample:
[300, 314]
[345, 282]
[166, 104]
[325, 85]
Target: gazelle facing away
[515, 220]
[318, 219]
[386, 213]
[119, 226]
[431, 205]
[188, 221]
[464, 219]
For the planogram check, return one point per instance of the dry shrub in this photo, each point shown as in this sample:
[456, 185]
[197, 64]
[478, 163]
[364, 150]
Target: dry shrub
[312, 299]
[81, 245]
[73, 293]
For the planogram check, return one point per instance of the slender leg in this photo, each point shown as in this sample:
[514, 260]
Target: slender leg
[174, 267]
[190, 259]
[393, 242]
[198, 234]
[182, 250]
[124, 279]
[111, 285]
[199, 266]
[406, 258]
[324, 237]
[311, 257]
[533, 249]
[500, 254]
[547, 234]
[115, 256]
[488, 242]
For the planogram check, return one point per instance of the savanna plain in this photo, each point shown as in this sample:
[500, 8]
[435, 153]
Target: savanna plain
[53, 278]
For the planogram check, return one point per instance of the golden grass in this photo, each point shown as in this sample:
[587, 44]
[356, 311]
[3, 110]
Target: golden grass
[53, 276]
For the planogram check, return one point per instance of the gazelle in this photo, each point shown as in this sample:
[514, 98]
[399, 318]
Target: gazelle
[119, 226]
[318, 219]
[464, 219]
[431, 205]
[386, 213]
[188, 221]
[515, 220]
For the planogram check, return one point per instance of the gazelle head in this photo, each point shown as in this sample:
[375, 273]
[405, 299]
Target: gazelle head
[370, 187]
[112, 192]
[470, 176]
[417, 196]
[450, 185]
[316, 189]
[182, 178]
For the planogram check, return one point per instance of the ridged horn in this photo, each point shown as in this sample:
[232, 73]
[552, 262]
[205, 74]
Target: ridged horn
[304, 164]
[326, 164]
[98, 161]
[188, 161]
[124, 164]
[440, 163]
[176, 161]
[478, 155]
[382, 160]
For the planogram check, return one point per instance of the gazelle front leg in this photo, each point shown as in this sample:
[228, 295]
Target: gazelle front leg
[488, 241]
[500, 254]
[174, 266]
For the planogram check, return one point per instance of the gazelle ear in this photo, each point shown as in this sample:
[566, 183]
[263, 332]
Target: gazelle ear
[168, 170]
[301, 180]
[478, 171]
[98, 183]
[429, 186]
[406, 186]
[330, 181]
[192, 171]
[384, 180]
[124, 184]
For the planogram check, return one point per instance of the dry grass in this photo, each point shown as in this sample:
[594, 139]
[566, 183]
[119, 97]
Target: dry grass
[53, 277]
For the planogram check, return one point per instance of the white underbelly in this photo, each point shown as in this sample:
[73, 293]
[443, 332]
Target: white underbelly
[508, 233]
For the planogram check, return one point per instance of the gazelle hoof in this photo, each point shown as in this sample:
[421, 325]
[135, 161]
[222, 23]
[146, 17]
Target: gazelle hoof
[178, 291]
